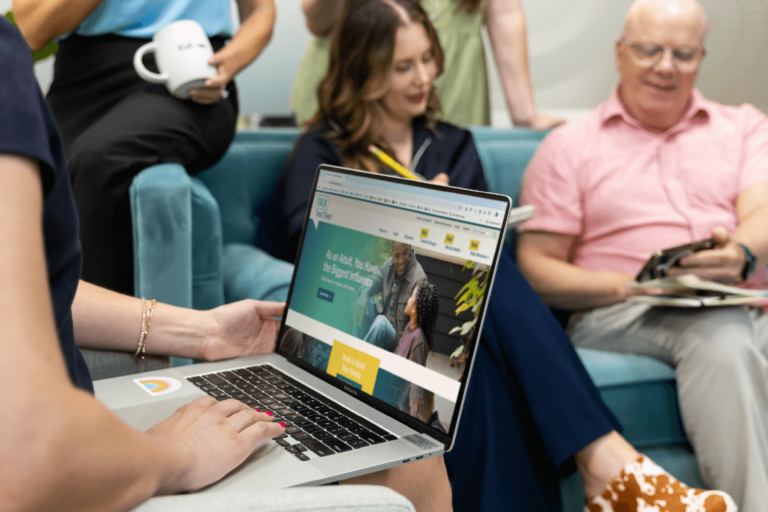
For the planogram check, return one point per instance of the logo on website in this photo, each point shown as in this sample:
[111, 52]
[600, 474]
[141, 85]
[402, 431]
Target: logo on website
[448, 239]
[424, 233]
[321, 208]
[474, 245]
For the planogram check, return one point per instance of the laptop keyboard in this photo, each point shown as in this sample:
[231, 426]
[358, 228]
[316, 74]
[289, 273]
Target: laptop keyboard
[313, 423]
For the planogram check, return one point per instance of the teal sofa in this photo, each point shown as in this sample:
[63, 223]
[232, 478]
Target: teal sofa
[193, 244]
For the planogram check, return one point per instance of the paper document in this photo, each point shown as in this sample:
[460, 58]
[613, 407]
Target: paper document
[520, 214]
[692, 291]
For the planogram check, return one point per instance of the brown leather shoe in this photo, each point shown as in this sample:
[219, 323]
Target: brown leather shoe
[643, 486]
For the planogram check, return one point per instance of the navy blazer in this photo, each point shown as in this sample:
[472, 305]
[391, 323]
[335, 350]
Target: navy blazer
[446, 149]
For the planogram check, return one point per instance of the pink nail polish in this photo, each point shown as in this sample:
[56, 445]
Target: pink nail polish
[282, 424]
[257, 410]
[269, 413]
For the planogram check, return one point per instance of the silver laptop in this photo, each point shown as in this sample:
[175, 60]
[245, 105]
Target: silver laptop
[361, 384]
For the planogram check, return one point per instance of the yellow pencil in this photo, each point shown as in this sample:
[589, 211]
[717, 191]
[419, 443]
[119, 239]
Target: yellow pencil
[392, 163]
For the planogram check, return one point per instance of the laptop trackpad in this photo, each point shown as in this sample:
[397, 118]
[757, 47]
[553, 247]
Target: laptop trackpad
[143, 416]
[268, 467]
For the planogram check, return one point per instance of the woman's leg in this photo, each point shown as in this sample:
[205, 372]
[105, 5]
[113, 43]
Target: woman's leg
[114, 126]
[601, 460]
[424, 483]
[530, 406]
[144, 129]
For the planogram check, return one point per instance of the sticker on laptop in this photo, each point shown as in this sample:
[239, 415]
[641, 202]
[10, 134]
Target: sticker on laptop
[420, 442]
[157, 386]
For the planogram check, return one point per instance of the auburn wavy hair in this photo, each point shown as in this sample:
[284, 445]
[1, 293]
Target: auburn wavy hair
[349, 96]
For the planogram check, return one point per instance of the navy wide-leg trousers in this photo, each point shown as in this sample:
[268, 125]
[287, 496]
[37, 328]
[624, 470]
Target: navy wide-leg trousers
[530, 406]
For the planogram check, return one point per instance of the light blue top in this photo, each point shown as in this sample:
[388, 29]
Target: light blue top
[142, 18]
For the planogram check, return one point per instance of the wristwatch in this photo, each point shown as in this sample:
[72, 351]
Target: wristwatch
[750, 263]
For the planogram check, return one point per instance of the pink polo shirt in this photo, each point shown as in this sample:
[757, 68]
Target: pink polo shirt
[625, 191]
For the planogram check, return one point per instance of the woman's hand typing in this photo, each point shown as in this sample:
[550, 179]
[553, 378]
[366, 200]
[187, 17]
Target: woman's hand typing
[208, 439]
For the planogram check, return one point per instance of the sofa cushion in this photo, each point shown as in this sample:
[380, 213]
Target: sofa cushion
[505, 155]
[250, 273]
[642, 394]
[241, 179]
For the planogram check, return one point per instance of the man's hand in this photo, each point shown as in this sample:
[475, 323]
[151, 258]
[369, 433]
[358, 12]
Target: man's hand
[210, 439]
[242, 328]
[723, 264]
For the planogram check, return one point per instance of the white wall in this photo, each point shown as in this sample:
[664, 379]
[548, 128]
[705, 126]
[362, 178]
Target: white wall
[571, 56]
[265, 86]
[571, 53]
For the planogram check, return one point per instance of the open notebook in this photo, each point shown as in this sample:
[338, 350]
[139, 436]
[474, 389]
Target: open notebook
[520, 214]
[690, 291]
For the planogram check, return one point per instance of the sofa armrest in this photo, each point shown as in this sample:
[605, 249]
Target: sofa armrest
[162, 234]
[207, 246]
[161, 215]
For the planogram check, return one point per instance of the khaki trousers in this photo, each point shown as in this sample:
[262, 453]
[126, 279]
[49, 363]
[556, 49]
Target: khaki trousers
[720, 356]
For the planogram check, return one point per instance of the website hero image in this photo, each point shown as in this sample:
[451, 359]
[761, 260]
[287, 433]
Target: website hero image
[381, 310]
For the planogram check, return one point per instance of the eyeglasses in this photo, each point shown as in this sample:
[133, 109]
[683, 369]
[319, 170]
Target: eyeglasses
[686, 59]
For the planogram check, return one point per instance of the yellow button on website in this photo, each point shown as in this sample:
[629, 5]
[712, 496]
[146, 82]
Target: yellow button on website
[449, 239]
[474, 245]
[424, 232]
[359, 368]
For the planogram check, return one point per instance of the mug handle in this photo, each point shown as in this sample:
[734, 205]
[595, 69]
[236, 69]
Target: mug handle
[143, 72]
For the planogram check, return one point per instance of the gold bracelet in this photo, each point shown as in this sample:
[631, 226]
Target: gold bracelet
[145, 329]
[143, 332]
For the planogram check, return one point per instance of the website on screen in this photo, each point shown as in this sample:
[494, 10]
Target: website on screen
[389, 288]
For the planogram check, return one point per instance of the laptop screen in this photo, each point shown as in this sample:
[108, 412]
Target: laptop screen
[389, 290]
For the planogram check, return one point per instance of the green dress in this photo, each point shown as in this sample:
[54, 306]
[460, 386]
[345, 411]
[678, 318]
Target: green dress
[463, 86]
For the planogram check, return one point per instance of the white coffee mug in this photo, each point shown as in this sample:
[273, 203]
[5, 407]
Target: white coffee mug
[181, 51]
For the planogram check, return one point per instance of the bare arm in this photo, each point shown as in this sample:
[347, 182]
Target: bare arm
[752, 210]
[505, 20]
[257, 21]
[61, 449]
[107, 320]
[42, 443]
[40, 21]
[321, 15]
[543, 260]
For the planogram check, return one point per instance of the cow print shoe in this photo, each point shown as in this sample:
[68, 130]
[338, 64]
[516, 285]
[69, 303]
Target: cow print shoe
[643, 486]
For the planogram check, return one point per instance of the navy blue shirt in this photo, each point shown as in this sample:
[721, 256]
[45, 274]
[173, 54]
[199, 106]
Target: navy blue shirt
[446, 149]
[27, 128]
